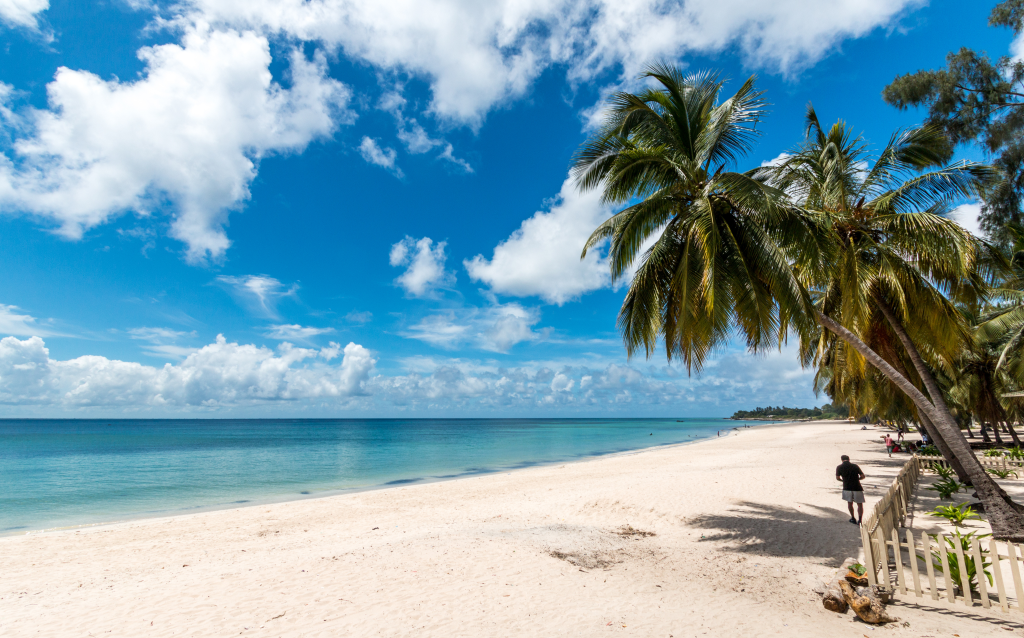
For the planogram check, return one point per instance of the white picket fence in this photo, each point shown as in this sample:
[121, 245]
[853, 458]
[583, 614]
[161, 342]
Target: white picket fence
[901, 560]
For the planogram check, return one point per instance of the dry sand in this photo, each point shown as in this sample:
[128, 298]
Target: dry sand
[734, 533]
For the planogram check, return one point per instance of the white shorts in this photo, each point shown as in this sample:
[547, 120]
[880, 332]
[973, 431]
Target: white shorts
[853, 497]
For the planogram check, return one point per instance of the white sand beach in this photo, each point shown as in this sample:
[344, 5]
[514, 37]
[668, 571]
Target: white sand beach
[741, 530]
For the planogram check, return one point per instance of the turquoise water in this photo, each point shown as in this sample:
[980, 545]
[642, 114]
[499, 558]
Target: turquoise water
[57, 473]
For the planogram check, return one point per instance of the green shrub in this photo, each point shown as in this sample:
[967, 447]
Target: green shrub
[955, 514]
[993, 452]
[929, 450]
[947, 488]
[1001, 473]
[944, 471]
[964, 540]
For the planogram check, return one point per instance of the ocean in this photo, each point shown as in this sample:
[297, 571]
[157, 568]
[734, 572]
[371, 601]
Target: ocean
[63, 473]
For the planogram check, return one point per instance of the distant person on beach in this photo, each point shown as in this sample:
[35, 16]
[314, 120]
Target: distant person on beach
[899, 433]
[851, 477]
[888, 444]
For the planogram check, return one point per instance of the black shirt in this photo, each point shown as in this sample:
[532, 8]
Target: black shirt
[850, 473]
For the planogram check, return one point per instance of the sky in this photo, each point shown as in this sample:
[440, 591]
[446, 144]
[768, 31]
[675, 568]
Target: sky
[326, 208]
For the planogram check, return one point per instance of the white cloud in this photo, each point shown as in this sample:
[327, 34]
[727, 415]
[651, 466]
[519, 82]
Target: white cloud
[22, 13]
[496, 328]
[414, 136]
[383, 157]
[193, 127]
[221, 374]
[738, 380]
[226, 375]
[416, 139]
[14, 323]
[448, 156]
[477, 55]
[259, 293]
[156, 334]
[190, 130]
[967, 216]
[1017, 48]
[295, 332]
[542, 257]
[425, 270]
[359, 317]
[162, 342]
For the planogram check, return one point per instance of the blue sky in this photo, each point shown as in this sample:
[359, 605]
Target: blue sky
[257, 208]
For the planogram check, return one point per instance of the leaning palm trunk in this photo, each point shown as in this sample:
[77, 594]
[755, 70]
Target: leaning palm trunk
[930, 384]
[947, 453]
[1005, 516]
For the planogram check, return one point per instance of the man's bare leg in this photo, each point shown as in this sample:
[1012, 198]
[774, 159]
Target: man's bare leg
[860, 512]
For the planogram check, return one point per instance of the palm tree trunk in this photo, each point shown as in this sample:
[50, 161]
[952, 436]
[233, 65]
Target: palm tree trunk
[1005, 516]
[933, 434]
[995, 432]
[1013, 433]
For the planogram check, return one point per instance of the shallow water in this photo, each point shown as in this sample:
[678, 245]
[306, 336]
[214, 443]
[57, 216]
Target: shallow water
[57, 473]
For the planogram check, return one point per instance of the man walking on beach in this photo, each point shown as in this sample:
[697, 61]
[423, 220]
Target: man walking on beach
[851, 477]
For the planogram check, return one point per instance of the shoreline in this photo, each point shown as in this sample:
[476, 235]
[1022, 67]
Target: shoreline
[667, 541]
[327, 494]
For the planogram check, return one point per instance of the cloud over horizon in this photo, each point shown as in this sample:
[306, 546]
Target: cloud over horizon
[227, 375]
[221, 374]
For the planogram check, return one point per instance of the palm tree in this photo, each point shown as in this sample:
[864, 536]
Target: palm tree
[978, 387]
[728, 250]
[1003, 325]
[893, 251]
[715, 262]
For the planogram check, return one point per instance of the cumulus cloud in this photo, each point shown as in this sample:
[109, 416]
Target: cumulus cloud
[542, 257]
[13, 322]
[22, 13]
[967, 216]
[738, 380]
[496, 328]
[259, 293]
[383, 157]
[477, 55]
[190, 130]
[424, 262]
[221, 374]
[231, 375]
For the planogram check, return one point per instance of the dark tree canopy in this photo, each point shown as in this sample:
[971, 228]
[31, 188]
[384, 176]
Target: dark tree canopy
[975, 98]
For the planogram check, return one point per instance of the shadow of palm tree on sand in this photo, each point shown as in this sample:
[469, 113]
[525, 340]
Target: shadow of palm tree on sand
[774, 530]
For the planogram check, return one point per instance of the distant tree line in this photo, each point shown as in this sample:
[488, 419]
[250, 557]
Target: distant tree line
[827, 411]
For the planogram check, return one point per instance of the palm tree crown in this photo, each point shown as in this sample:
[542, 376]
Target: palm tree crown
[888, 243]
[714, 260]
